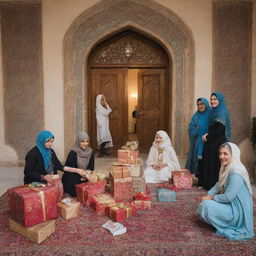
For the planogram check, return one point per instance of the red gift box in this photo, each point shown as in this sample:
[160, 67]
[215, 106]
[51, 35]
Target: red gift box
[30, 206]
[142, 204]
[121, 189]
[182, 179]
[129, 208]
[85, 191]
[101, 201]
[128, 156]
[116, 213]
[56, 181]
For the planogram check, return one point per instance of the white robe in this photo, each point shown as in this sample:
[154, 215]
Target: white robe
[169, 157]
[103, 132]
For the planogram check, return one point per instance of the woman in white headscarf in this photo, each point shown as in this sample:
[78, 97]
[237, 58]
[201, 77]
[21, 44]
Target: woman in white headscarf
[104, 138]
[162, 159]
[228, 207]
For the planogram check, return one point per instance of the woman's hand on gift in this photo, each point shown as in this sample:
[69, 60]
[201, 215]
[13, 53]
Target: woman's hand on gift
[48, 178]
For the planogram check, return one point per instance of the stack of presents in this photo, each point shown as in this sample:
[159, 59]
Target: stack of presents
[34, 207]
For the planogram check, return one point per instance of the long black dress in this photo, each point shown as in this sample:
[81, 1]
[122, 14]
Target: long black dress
[34, 167]
[69, 179]
[209, 166]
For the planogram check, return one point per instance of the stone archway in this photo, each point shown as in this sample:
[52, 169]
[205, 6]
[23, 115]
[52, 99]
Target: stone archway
[109, 17]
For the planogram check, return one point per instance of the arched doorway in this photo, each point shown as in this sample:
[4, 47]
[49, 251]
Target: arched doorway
[128, 65]
[111, 17]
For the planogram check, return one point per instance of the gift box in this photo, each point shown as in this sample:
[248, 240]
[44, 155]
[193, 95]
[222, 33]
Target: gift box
[68, 208]
[135, 170]
[30, 206]
[182, 179]
[138, 184]
[37, 233]
[119, 171]
[142, 204]
[101, 201]
[130, 209]
[121, 189]
[116, 213]
[127, 156]
[166, 195]
[56, 181]
[85, 191]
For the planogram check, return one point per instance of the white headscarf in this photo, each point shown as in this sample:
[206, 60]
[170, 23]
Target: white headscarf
[163, 153]
[235, 166]
[99, 108]
[166, 144]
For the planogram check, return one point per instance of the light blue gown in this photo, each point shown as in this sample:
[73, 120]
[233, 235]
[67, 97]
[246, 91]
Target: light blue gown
[231, 213]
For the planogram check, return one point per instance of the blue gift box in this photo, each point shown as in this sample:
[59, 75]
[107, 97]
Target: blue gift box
[166, 195]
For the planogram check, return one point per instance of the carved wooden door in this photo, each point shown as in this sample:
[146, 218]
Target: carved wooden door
[112, 84]
[152, 105]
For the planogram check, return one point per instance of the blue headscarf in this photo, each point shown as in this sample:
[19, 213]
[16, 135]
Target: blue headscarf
[220, 114]
[42, 137]
[200, 121]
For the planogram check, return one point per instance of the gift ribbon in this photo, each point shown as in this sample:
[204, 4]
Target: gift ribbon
[42, 198]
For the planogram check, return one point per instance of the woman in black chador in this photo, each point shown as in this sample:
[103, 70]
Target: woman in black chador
[81, 156]
[218, 133]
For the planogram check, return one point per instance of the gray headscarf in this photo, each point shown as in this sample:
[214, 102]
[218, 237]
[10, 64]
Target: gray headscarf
[83, 155]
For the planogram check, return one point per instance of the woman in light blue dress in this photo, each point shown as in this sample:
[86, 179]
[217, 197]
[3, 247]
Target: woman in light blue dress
[198, 126]
[228, 207]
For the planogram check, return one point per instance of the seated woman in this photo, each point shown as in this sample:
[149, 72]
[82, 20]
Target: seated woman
[42, 162]
[228, 207]
[81, 156]
[162, 159]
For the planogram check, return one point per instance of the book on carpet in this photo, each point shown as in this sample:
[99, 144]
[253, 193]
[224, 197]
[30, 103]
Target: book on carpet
[114, 227]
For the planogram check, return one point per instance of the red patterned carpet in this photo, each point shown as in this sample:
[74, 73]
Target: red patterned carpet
[167, 229]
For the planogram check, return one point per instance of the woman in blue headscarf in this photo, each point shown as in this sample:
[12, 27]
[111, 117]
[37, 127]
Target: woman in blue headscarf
[198, 126]
[42, 162]
[219, 131]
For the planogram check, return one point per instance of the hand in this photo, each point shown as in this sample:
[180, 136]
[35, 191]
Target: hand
[204, 137]
[48, 178]
[207, 197]
[164, 165]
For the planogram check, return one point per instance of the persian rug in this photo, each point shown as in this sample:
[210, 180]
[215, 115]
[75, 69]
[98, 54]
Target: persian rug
[168, 229]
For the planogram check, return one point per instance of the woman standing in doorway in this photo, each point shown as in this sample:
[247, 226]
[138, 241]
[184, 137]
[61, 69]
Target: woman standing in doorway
[103, 133]
[218, 133]
[198, 126]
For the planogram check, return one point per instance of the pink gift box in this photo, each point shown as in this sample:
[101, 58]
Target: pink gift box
[128, 156]
[182, 179]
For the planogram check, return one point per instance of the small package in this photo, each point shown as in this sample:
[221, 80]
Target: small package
[56, 181]
[127, 156]
[114, 228]
[142, 204]
[119, 171]
[182, 179]
[116, 213]
[37, 233]
[121, 189]
[68, 208]
[85, 191]
[101, 201]
[166, 195]
[135, 170]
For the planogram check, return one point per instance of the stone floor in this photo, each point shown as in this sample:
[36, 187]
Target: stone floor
[11, 176]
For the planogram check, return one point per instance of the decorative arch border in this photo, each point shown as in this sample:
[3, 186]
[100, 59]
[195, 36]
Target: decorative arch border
[146, 17]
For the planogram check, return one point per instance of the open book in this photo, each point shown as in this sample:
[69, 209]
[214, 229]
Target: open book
[115, 228]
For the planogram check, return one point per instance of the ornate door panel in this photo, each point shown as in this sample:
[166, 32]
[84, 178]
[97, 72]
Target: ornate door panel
[112, 84]
[152, 105]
